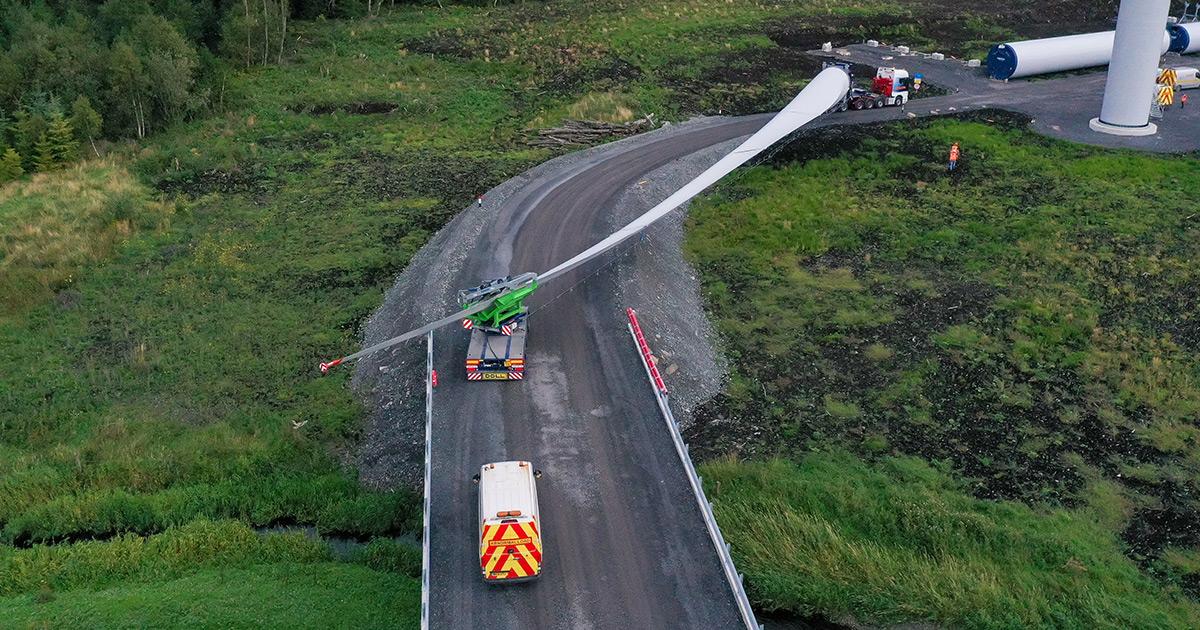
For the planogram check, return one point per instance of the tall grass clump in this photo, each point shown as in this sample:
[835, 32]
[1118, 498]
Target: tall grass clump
[56, 223]
[901, 542]
[175, 552]
[333, 503]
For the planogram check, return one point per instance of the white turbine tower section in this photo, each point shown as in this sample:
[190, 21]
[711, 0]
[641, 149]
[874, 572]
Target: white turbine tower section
[815, 99]
[1185, 38]
[1133, 69]
[1013, 60]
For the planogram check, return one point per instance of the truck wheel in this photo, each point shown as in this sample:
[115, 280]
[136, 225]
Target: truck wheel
[856, 105]
[880, 103]
[870, 103]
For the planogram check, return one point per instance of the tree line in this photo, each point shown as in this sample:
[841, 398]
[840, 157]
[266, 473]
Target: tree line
[82, 70]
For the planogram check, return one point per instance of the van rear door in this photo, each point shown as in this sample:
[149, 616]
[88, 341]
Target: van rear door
[510, 549]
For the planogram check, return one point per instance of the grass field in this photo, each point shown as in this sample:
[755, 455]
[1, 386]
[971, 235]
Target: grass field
[165, 308]
[318, 595]
[214, 574]
[1028, 321]
[901, 541]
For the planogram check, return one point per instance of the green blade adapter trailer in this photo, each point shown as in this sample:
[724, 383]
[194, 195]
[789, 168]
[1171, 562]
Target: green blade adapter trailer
[497, 347]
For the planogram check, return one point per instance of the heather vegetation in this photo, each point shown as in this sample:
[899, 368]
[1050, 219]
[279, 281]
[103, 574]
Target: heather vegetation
[1027, 323]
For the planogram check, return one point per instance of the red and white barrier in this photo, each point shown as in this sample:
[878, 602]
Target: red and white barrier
[645, 350]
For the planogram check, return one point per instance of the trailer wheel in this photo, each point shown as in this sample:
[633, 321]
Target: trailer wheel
[856, 104]
[870, 103]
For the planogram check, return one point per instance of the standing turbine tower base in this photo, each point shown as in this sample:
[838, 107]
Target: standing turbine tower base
[1132, 71]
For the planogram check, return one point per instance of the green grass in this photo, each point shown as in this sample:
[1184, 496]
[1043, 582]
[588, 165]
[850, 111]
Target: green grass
[161, 350]
[164, 310]
[1030, 321]
[51, 226]
[174, 553]
[901, 541]
[320, 595]
[212, 574]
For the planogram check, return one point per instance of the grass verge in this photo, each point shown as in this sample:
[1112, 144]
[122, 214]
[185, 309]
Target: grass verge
[285, 595]
[901, 542]
[1029, 320]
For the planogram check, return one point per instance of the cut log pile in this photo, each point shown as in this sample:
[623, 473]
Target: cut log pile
[583, 132]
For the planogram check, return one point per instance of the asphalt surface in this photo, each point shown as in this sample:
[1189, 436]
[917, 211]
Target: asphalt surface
[624, 544]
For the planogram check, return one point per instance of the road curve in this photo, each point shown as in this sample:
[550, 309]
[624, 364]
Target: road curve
[625, 545]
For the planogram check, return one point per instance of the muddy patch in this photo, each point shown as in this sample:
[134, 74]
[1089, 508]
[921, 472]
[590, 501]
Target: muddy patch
[237, 180]
[951, 27]
[359, 108]
[448, 181]
[606, 74]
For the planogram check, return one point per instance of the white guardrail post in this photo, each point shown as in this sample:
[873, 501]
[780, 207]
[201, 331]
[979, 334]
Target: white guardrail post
[425, 527]
[714, 531]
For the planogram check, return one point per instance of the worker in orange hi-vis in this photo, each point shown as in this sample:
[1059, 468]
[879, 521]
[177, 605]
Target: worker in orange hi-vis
[1182, 101]
[953, 156]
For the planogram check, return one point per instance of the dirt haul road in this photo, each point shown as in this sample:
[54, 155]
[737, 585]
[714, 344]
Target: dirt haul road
[624, 542]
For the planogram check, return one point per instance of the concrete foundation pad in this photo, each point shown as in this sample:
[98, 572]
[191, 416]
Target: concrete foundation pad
[1117, 130]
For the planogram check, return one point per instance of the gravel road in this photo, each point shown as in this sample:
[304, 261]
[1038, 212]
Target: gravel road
[624, 542]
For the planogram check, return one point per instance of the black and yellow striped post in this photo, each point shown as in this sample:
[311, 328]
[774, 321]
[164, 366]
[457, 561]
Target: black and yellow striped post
[1165, 95]
[1169, 77]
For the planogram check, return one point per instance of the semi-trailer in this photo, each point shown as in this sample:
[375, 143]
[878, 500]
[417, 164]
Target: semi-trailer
[496, 351]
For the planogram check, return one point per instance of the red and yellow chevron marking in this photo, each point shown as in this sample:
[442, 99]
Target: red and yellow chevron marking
[1166, 95]
[510, 551]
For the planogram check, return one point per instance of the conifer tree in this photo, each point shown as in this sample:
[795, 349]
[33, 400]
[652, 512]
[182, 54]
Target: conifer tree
[10, 166]
[6, 123]
[27, 128]
[43, 150]
[63, 145]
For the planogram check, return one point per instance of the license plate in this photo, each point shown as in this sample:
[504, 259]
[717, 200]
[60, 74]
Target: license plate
[495, 376]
